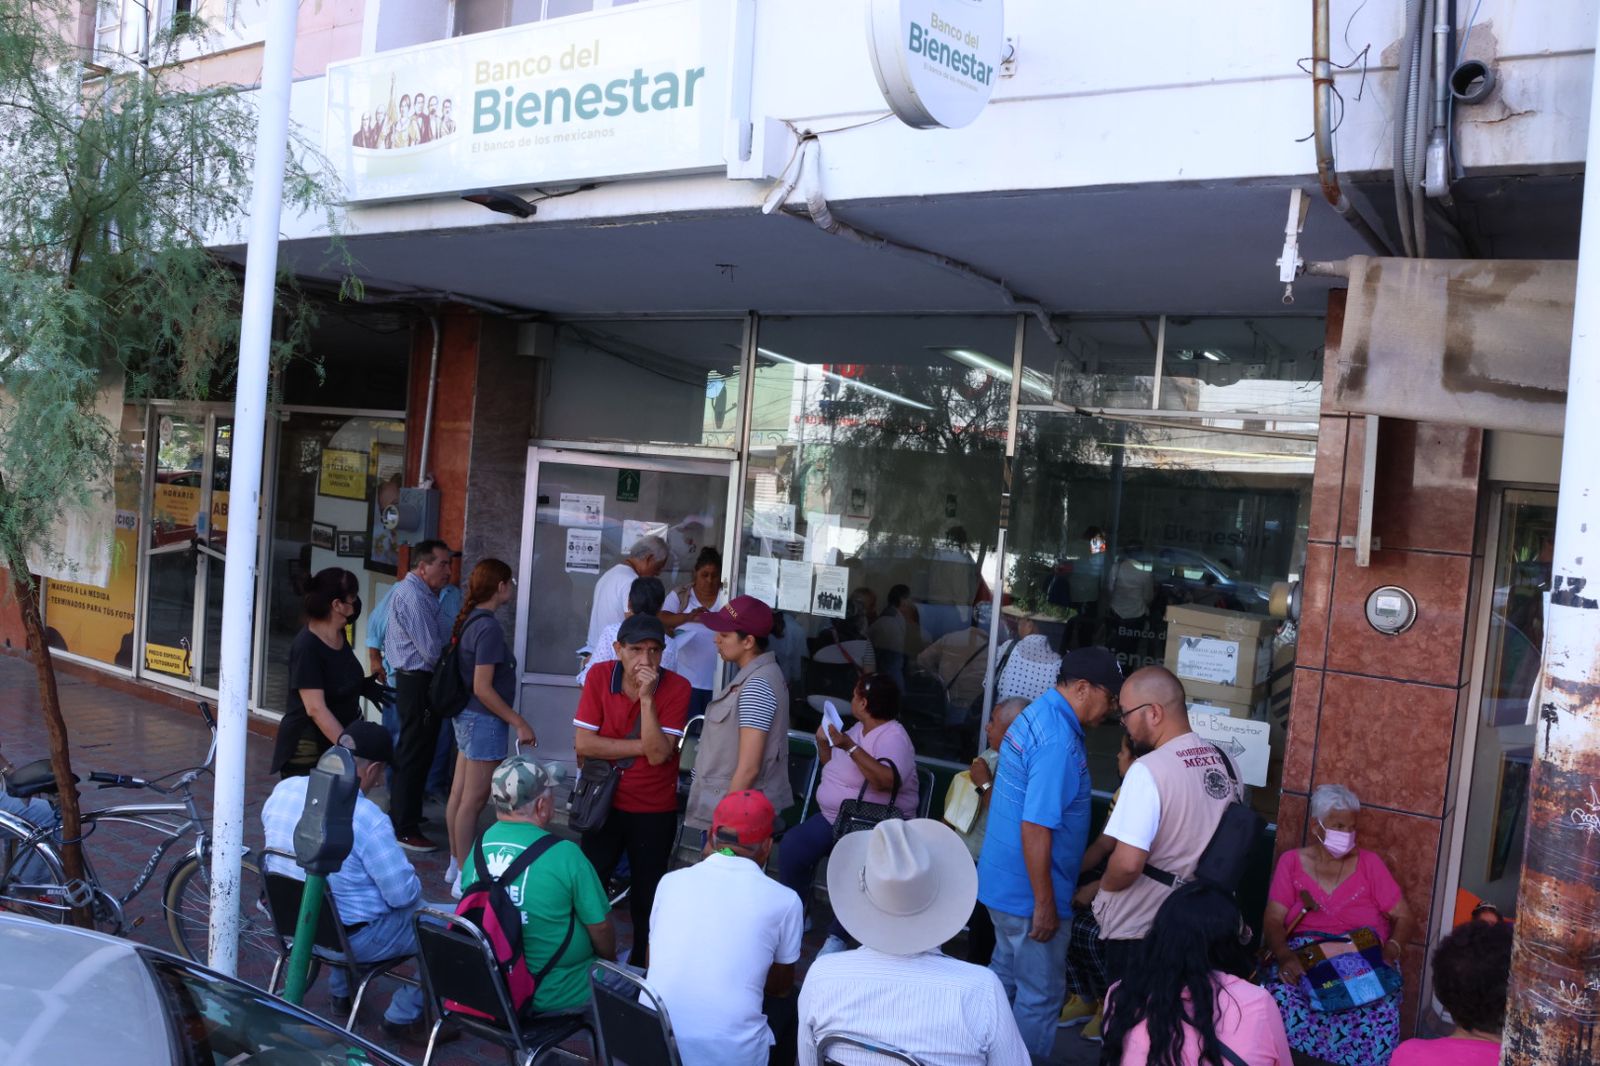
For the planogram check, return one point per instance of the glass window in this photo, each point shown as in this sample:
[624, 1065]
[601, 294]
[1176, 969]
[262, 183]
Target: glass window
[645, 381]
[1267, 365]
[1134, 530]
[872, 508]
[98, 622]
[321, 521]
[1497, 807]
[476, 16]
[365, 361]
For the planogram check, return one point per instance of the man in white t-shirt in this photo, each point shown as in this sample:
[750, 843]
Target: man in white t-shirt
[723, 936]
[1167, 811]
[647, 558]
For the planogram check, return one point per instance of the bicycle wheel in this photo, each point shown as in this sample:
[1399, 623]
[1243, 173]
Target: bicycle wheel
[31, 879]
[188, 904]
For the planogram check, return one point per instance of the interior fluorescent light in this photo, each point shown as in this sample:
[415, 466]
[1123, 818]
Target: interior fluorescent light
[892, 397]
[1032, 380]
[1215, 357]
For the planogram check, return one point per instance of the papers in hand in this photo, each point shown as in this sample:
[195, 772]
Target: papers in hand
[831, 719]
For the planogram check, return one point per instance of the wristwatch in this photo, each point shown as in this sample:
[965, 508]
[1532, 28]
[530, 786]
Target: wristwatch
[981, 789]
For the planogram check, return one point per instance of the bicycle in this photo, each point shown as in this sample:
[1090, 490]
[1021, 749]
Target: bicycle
[33, 880]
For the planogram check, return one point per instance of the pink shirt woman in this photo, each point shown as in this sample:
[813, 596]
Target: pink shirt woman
[1247, 1020]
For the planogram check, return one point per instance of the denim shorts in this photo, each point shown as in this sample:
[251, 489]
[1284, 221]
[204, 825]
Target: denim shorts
[482, 736]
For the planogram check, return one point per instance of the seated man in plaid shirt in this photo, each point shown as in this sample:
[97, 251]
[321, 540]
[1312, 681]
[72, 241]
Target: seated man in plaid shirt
[376, 890]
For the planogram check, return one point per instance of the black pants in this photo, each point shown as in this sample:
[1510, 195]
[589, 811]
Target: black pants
[1121, 957]
[647, 841]
[980, 936]
[783, 1018]
[419, 736]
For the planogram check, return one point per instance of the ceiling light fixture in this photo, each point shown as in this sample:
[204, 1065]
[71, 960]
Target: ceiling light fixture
[892, 397]
[501, 202]
[1214, 356]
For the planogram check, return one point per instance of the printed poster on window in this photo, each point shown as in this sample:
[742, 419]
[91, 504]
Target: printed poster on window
[344, 474]
[583, 551]
[775, 521]
[794, 586]
[583, 511]
[761, 579]
[832, 586]
[633, 532]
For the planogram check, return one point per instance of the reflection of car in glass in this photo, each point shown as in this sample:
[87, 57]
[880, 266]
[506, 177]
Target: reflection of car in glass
[1182, 574]
[72, 995]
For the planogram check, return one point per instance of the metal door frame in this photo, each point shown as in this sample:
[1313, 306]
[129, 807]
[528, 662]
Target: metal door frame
[710, 462]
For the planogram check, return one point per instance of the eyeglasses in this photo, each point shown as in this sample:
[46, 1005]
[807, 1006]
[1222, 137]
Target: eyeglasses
[1122, 718]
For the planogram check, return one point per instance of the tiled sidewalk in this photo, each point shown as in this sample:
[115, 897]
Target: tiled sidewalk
[126, 733]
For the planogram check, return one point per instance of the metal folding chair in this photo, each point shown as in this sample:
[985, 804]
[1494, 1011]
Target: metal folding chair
[827, 1042]
[633, 1023]
[332, 944]
[925, 785]
[458, 964]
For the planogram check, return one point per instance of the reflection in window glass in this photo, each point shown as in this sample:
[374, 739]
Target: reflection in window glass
[312, 522]
[872, 508]
[476, 16]
[1491, 858]
[645, 381]
[1133, 531]
[1267, 365]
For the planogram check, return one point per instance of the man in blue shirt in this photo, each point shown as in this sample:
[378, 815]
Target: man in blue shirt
[1038, 828]
[444, 758]
[416, 633]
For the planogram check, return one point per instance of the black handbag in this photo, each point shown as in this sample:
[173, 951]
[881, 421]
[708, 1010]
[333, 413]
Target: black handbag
[860, 813]
[448, 691]
[589, 803]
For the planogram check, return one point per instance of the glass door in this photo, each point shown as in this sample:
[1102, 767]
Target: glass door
[1501, 755]
[582, 515]
[185, 546]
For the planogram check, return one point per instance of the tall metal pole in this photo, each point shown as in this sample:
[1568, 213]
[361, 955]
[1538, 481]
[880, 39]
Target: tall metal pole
[244, 483]
[1555, 968]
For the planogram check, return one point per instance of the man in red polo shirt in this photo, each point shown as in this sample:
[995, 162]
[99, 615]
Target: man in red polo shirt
[633, 713]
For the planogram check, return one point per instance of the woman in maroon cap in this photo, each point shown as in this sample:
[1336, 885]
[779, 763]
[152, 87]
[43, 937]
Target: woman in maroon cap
[745, 743]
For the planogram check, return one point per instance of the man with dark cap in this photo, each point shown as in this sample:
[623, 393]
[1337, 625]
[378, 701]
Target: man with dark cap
[633, 713]
[376, 890]
[714, 975]
[1037, 831]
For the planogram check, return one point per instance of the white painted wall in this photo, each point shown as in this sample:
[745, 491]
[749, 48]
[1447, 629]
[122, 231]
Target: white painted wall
[1141, 92]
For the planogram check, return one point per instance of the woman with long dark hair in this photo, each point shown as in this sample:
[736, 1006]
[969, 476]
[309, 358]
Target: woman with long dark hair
[1189, 1001]
[483, 728]
[325, 677]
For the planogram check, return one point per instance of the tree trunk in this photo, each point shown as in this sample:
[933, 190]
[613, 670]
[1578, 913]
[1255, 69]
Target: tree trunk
[60, 757]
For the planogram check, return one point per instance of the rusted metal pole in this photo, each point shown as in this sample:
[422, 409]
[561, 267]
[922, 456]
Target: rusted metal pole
[1322, 127]
[1555, 968]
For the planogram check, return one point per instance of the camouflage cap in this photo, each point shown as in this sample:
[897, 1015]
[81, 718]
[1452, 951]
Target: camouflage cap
[519, 779]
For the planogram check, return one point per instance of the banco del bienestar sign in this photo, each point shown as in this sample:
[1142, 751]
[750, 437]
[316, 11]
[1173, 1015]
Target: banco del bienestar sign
[936, 60]
[624, 92]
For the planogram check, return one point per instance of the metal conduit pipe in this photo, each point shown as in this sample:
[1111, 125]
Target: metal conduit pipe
[816, 205]
[1322, 111]
[424, 479]
[1436, 162]
[1405, 92]
[1417, 112]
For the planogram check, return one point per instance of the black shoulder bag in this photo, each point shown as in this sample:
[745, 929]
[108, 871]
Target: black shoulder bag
[589, 804]
[861, 813]
[1227, 854]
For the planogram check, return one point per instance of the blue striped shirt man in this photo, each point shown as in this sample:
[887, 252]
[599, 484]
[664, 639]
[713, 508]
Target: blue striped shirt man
[417, 627]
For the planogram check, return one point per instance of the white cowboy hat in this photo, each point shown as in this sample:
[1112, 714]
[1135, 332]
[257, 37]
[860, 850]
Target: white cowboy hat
[904, 887]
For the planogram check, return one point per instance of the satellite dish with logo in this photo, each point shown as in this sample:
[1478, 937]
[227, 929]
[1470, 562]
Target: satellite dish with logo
[936, 60]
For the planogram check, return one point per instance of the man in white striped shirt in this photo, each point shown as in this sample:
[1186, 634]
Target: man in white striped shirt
[904, 889]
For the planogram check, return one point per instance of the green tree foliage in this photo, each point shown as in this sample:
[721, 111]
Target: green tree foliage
[113, 181]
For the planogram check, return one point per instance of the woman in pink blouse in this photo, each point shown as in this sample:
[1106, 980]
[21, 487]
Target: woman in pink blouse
[1348, 888]
[1471, 968]
[858, 758]
[1188, 1002]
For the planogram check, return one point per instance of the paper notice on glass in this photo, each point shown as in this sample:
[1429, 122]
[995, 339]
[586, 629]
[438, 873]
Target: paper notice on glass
[775, 521]
[586, 512]
[1208, 659]
[1245, 741]
[832, 718]
[633, 532]
[831, 586]
[761, 579]
[583, 551]
[794, 586]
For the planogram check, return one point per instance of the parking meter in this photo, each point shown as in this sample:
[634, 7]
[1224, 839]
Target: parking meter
[322, 841]
[324, 835]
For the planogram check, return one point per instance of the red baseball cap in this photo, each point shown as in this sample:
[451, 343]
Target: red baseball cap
[743, 614]
[744, 818]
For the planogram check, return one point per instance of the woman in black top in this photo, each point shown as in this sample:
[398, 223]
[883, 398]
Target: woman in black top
[325, 678]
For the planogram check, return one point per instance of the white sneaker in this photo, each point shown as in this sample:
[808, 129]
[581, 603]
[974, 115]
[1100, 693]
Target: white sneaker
[452, 873]
[455, 886]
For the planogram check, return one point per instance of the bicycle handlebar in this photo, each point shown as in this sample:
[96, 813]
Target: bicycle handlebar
[105, 780]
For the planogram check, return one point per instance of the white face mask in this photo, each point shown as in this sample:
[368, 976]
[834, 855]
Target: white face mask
[1339, 842]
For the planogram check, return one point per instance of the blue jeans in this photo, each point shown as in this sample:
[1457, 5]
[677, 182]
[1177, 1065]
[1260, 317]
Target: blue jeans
[385, 938]
[1034, 976]
[443, 767]
[30, 869]
[801, 848]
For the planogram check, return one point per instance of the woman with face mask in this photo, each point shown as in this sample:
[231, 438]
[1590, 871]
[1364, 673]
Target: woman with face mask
[1348, 889]
[325, 679]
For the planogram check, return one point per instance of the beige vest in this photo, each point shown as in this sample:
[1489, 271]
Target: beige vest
[1195, 789]
[718, 754]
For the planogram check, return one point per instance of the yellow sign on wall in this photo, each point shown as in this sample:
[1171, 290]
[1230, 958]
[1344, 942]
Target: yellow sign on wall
[344, 474]
[98, 622]
[166, 660]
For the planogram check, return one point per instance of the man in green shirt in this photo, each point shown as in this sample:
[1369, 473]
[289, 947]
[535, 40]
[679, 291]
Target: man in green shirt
[559, 884]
